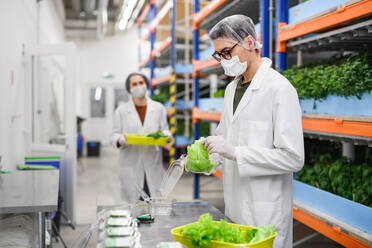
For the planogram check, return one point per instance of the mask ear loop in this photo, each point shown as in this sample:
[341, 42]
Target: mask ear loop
[257, 45]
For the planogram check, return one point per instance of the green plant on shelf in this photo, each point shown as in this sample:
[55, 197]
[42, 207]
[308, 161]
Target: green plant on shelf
[341, 177]
[219, 93]
[162, 96]
[345, 76]
[204, 129]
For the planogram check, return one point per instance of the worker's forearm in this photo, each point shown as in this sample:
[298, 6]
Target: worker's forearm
[260, 161]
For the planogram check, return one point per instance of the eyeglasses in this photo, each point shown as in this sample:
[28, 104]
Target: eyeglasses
[225, 53]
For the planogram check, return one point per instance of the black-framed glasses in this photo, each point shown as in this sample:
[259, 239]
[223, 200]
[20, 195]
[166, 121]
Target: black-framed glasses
[225, 53]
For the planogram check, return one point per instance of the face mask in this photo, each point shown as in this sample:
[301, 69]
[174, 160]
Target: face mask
[139, 91]
[233, 67]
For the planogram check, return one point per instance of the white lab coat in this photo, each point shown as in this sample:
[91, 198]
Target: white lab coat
[266, 130]
[135, 160]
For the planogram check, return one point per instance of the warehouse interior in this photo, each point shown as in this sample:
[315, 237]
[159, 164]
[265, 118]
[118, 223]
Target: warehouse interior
[64, 79]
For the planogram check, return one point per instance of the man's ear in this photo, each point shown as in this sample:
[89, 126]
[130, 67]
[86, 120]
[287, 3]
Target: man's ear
[249, 42]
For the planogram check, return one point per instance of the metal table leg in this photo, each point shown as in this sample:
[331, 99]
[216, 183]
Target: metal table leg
[41, 229]
[48, 232]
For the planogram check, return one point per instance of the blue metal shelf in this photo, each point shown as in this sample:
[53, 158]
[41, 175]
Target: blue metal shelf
[306, 10]
[205, 104]
[180, 69]
[344, 210]
[337, 105]
[183, 141]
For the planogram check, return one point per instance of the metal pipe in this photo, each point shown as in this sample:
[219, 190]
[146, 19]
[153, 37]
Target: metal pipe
[213, 88]
[196, 89]
[152, 44]
[299, 58]
[265, 27]
[139, 38]
[271, 10]
[89, 6]
[172, 87]
[348, 150]
[304, 240]
[282, 17]
[76, 6]
[187, 62]
[102, 19]
[41, 229]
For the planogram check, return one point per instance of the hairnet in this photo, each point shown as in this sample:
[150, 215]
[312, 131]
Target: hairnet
[235, 28]
[127, 81]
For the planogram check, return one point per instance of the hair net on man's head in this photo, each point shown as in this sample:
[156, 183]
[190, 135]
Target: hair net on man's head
[235, 28]
[127, 81]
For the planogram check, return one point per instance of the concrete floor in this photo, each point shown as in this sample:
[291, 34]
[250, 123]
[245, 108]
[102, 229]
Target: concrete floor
[98, 184]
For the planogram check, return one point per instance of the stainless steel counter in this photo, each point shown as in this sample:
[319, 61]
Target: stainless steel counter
[183, 213]
[29, 191]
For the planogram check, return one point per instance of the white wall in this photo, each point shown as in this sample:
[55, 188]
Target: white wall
[117, 55]
[22, 22]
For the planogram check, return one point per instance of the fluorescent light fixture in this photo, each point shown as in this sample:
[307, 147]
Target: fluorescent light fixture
[122, 24]
[98, 94]
[136, 12]
[128, 11]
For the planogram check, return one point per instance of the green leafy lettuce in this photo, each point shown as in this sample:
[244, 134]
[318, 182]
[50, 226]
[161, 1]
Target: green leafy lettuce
[157, 135]
[205, 230]
[262, 233]
[198, 158]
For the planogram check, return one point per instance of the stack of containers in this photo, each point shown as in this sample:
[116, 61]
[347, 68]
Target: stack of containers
[118, 229]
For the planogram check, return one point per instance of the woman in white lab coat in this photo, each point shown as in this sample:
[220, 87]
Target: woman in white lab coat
[259, 136]
[140, 115]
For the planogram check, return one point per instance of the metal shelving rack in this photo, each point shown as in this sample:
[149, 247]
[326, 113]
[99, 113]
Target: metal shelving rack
[205, 19]
[343, 27]
[351, 30]
[163, 58]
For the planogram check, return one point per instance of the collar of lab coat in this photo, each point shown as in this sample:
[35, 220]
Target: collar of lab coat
[150, 108]
[255, 85]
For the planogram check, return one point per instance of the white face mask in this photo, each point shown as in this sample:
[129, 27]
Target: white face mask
[139, 91]
[233, 67]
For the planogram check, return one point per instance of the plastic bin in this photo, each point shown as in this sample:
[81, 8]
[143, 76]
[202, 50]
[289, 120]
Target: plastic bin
[53, 161]
[142, 139]
[93, 148]
[266, 243]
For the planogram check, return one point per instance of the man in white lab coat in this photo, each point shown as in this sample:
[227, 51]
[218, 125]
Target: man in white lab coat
[259, 136]
[140, 115]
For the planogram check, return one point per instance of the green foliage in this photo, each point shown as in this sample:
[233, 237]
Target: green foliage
[219, 93]
[198, 158]
[206, 230]
[346, 76]
[341, 177]
[202, 232]
[262, 233]
[315, 148]
[249, 235]
[204, 129]
[157, 135]
[230, 234]
[163, 96]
